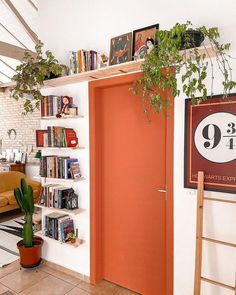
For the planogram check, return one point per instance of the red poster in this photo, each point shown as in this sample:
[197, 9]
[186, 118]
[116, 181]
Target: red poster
[210, 143]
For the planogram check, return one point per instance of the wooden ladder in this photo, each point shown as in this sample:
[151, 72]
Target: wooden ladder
[200, 238]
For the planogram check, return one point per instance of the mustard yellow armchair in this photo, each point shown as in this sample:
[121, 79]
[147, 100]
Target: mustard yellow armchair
[10, 180]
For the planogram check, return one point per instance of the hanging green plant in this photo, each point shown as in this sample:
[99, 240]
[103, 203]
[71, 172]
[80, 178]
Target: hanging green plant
[31, 75]
[169, 58]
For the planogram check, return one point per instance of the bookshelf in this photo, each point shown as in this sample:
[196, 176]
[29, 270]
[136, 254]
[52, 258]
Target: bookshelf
[110, 71]
[67, 121]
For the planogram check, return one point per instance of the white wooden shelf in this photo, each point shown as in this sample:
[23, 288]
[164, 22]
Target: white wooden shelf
[110, 71]
[62, 118]
[69, 212]
[69, 180]
[60, 148]
[75, 245]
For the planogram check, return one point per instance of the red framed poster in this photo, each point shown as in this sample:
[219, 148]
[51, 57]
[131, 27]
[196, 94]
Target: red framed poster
[210, 143]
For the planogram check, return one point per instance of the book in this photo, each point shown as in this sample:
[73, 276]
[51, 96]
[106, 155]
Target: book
[75, 170]
[68, 163]
[71, 138]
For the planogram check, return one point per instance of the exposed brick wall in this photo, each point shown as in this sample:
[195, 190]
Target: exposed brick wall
[25, 125]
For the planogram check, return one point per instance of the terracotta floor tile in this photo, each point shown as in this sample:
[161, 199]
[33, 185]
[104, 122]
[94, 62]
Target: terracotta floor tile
[65, 277]
[49, 286]
[77, 291]
[3, 289]
[22, 279]
[123, 291]
[8, 293]
[44, 267]
[9, 268]
[104, 288]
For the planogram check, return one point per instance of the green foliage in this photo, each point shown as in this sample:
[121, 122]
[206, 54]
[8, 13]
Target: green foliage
[25, 201]
[31, 74]
[161, 67]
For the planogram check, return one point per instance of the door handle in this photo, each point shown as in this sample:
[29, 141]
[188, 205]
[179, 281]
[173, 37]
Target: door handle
[161, 190]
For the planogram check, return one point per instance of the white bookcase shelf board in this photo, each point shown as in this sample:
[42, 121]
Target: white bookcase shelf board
[75, 245]
[68, 180]
[61, 148]
[62, 118]
[107, 72]
[69, 212]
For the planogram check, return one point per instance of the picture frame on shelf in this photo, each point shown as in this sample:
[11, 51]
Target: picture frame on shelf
[120, 49]
[144, 40]
[210, 140]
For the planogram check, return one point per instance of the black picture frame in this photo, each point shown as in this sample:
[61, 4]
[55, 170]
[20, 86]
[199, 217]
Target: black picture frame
[140, 37]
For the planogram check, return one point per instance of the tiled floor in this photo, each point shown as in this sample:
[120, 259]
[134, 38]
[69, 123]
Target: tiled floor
[46, 280]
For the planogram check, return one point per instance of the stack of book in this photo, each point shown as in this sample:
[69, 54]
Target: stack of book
[55, 136]
[59, 167]
[54, 196]
[84, 60]
[58, 226]
[51, 105]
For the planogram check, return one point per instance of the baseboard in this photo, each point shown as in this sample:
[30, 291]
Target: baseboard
[67, 271]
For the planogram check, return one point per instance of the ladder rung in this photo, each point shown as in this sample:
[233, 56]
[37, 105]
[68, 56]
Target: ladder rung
[219, 200]
[218, 284]
[219, 242]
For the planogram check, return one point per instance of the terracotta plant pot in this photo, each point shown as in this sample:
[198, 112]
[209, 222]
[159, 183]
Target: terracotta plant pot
[30, 257]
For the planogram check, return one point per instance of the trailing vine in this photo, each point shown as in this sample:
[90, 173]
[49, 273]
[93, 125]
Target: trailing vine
[158, 85]
[31, 74]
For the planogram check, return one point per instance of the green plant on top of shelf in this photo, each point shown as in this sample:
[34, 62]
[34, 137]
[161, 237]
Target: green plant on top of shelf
[31, 74]
[169, 58]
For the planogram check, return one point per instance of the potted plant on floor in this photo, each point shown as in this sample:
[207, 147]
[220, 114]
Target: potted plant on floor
[169, 58]
[32, 73]
[30, 246]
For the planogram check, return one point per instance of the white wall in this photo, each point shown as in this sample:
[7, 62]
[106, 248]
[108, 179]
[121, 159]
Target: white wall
[70, 25]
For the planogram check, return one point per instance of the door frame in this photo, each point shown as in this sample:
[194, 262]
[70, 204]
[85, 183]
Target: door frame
[96, 266]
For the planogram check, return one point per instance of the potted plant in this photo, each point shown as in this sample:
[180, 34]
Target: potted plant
[169, 58]
[31, 75]
[30, 246]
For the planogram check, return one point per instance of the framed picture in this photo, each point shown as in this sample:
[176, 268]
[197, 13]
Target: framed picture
[40, 137]
[143, 41]
[210, 143]
[120, 49]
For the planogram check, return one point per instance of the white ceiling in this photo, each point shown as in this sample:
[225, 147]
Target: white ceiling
[11, 23]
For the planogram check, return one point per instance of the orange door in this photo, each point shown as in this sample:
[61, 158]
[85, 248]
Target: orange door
[131, 155]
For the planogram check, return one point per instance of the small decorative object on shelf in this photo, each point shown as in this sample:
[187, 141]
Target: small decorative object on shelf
[38, 154]
[71, 201]
[71, 237]
[75, 170]
[73, 111]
